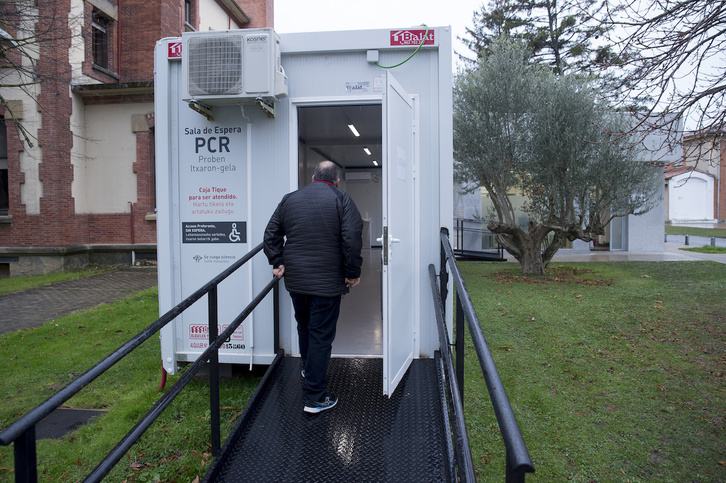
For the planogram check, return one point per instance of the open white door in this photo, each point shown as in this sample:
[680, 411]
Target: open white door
[398, 234]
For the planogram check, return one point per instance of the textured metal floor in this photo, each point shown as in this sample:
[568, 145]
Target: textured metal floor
[366, 437]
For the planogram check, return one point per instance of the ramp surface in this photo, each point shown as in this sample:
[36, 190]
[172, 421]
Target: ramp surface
[366, 437]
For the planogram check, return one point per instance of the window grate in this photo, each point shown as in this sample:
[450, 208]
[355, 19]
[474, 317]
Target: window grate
[100, 28]
[215, 66]
[4, 185]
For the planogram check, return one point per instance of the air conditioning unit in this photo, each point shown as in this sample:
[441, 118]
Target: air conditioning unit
[232, 66]
[358, 177]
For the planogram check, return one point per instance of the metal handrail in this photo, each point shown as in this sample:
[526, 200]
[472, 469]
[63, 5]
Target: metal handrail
[461, 229]
[518, 462]
[22, 431]
[461, 438]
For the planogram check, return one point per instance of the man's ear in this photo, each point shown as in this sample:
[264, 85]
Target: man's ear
[337, 183]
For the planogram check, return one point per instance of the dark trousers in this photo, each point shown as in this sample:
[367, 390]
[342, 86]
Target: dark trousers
[316, 320]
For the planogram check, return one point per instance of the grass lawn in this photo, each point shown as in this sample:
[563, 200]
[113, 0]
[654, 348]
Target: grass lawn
[615, 371]
[44, 359]
[15, 284]
[706, 249]
[695, 231]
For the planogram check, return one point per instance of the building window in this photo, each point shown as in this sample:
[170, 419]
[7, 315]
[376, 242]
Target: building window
[101, 28]
[190, 15]
[4, 197]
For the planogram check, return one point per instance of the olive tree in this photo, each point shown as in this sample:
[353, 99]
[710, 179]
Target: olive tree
[519, 128]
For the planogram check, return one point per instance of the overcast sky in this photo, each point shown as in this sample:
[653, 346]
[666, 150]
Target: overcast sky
[326, 15]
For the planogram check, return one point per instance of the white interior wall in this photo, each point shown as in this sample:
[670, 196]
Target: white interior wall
[308, 159]
[368, 196]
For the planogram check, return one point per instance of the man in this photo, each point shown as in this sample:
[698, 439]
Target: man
[313, 239]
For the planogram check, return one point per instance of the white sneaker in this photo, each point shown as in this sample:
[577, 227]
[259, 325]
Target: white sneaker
[329, 401]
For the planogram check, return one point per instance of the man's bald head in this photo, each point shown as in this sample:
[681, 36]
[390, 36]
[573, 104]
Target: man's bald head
[327, 171]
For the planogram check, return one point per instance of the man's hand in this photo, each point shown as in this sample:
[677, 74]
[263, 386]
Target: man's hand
[352, 282]
[279, 272]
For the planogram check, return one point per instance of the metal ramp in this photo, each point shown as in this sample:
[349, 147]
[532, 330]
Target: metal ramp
[483, 255]
[474, 241]
[366, 437]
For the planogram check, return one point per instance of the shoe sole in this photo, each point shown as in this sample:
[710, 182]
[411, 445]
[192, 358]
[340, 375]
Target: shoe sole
[317, 409]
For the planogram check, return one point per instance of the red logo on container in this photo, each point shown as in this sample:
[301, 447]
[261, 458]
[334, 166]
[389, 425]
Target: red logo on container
[174, 51]
[411, 37]
[201, 331]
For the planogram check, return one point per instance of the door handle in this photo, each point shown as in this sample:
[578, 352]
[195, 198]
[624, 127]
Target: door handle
[393, 240]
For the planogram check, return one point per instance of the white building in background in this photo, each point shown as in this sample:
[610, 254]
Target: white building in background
[696, 183]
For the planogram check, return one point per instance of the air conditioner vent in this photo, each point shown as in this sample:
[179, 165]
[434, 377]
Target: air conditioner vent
[232, 67]
[215, 66]
[358, 177]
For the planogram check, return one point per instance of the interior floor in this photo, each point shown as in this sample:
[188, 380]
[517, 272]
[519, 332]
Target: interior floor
[360, 325]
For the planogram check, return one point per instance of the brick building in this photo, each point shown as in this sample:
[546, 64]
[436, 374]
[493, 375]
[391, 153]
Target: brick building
[77, 148]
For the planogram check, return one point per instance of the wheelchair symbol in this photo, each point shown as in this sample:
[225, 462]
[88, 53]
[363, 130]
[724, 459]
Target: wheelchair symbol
[234, 235]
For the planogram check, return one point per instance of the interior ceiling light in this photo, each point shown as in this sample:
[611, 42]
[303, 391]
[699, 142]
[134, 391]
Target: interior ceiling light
[368, 151]
[375, 163]
[354, 130]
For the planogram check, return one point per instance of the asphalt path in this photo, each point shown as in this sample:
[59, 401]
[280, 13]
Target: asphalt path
[33, 307]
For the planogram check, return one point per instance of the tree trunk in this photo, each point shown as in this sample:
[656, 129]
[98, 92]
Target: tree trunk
[531, 256]
[526, 247]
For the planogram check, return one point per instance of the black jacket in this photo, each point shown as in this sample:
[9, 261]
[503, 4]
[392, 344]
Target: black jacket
[322, 227]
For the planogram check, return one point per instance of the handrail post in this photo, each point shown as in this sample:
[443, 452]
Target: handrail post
[443, 275]
[276, 316]
[26, 466]
[460, 234]
[459, 341]
[212, 308]
[511, 475]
